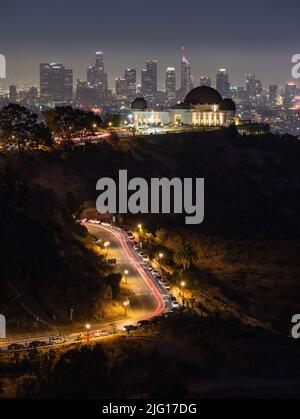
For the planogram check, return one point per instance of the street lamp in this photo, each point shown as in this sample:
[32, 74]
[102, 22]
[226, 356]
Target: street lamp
[139, 231]
[126, 305]
[88, 328]
[106, 245]
[183, 284]
[126, 275]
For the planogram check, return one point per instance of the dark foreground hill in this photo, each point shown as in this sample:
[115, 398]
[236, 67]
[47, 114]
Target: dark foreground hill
[46, 267]
[248, 243]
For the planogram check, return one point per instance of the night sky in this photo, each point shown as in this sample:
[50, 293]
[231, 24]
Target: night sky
[244, 36]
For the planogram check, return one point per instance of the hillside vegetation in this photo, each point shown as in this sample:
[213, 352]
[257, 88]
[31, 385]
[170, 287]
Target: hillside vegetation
[247, 246]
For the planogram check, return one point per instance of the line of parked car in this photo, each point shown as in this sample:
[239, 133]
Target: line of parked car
[54, 340]
[59, 340]
[144, 324]
[161, 281]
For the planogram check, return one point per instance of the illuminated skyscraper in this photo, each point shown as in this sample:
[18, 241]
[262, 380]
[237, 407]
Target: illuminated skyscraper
[290, 94]
[171, 84]
[97, 77]
[222, 82]
[130, 78]
[13, 93]
[121, 87]
[273, 94]
[205, 81]
[186, 83]
[56, 83]
[251, 86]
[149, 79]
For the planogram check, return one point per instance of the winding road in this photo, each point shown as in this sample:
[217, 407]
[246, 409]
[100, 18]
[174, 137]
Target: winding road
[147, 299]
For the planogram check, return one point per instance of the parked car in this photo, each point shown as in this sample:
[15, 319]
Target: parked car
[16, 347]
[129, 235]
[136, 247]
[37, 344]
[57, 340]
[129, 328]
[105, 332]
[156, 273]
[100, 333]
[175, 304]
[145, 258]
[143, 323]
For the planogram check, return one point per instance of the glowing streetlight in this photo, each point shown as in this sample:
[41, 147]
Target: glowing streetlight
[88, 328]
[106, 245]
[183, 285]
[126, 305]
[161, 256]
[126, 272]
[110, 124]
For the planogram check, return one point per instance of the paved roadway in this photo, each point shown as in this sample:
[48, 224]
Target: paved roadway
[146, 298]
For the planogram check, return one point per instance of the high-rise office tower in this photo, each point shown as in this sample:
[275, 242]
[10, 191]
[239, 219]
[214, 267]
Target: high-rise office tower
[99, 60]
[130, 78]
[273, 94]
[222, 83]
[121, 87]
[13, 93]
[290, 94]
[259, 87]
[171, 84]
[68, 85]
[251, 86]
[149, 79]
[96, 75]
[33, 93]
[56, 83]
[205, 81]
[186, 82]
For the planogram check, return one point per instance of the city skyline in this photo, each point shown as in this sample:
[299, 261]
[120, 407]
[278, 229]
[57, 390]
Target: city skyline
[214, 38]
[140, 66]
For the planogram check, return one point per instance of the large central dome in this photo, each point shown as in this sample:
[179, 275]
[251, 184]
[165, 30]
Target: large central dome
[203, 95]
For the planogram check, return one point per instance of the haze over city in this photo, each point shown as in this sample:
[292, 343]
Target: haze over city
[130, 33]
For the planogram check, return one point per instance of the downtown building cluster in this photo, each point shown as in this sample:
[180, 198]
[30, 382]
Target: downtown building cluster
[278, 106]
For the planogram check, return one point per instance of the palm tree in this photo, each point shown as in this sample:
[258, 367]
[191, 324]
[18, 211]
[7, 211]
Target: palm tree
[185, 256]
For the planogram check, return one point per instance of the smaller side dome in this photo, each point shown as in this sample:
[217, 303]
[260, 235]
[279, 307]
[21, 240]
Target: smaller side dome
[227, 105]
[139, 104]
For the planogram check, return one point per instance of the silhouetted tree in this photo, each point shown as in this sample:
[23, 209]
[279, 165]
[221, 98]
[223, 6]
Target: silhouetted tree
[17, 125]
